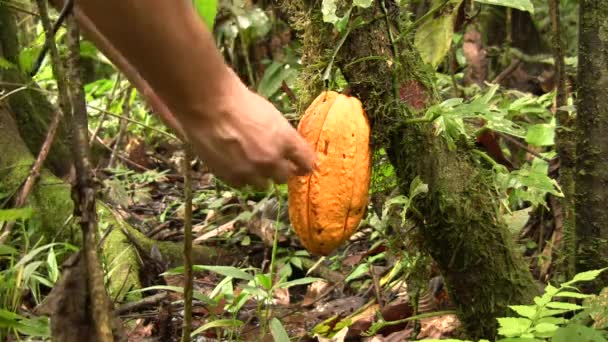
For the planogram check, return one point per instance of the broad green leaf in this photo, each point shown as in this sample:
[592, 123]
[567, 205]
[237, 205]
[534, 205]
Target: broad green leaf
[576, 332]
[206, 9]
[541, 135]
[218, 323]
[7, 250]
[434, 36]
[329, 8]
[363, 3]
[274, 75]
[545, 328]
[27, 57]
[527, 311]
[15, 214]
[512, 326]
[264, 280]
[522, 5]
[35, 327]
[278, 331]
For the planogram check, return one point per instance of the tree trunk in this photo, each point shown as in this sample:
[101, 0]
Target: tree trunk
[461, 227]
[32, 110]
[592, 139]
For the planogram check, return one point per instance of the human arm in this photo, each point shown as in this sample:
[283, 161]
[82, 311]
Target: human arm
[165, 46]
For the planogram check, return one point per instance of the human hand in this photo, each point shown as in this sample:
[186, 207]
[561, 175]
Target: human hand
[247, 141]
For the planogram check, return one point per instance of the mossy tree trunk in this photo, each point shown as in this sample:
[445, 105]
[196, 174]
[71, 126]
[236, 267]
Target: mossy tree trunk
[31, 108]
[592, 139]
[461, 226]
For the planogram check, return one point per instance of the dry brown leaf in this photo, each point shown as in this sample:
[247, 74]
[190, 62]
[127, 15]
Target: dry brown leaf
[281, 296]
[438, 327]
[314, 291]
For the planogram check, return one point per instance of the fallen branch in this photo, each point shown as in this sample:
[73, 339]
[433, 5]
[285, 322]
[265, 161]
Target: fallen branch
[142, 303]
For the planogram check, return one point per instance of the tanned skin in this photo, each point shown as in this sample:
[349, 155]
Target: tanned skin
[165, 49]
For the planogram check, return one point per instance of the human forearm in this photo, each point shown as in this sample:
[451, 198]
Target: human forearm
[170, 48]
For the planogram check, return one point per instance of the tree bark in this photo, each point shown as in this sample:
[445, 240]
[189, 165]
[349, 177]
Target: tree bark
[592, 140]
[31, 108]
[461, 226]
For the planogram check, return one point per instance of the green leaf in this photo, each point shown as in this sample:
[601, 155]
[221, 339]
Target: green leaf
[527, 311]
[296, 282]
[571, 294]
[541, 135]
[15, 214]
[585, 276]
[564, 306]
[360, 271]
[522, 5]
[7, 250]
[363, 3]
[552, 320]
[27, 57]
[5, 64]
[434, 36]
[278, 331]
[219, 323]
[329, 8]
[273, 77]
[576, 332]
[550, 312]
[35, 327]
[206, 9]
[545, 328]
[512, 326]
[33, 253]
[264, 280]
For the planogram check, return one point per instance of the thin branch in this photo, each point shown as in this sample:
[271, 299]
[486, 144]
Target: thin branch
[142, 303]
[98, 109]
[85, 190]
[126, 110]
[67, 9]
[558, 54]
[111, 99]
[187, 323]
[508, 71]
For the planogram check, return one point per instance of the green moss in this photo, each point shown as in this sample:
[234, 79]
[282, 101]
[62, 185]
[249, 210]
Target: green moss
[50, 197]
[33, 112]
[122, 265]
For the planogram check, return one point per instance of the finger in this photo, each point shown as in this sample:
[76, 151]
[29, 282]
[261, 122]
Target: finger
[300, 153]
[281, 171]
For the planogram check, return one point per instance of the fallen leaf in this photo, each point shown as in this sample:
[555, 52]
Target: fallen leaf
[314, 291]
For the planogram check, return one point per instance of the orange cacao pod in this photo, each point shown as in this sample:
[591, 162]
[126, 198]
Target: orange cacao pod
[326, 206]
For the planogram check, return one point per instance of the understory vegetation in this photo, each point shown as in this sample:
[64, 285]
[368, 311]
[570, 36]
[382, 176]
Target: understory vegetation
[473, 231]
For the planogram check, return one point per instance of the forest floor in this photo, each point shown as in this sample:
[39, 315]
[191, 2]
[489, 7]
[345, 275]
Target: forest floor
[353, 285]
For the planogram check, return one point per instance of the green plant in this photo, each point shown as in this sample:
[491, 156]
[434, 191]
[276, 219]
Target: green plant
[546, 319]
[28, 270]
